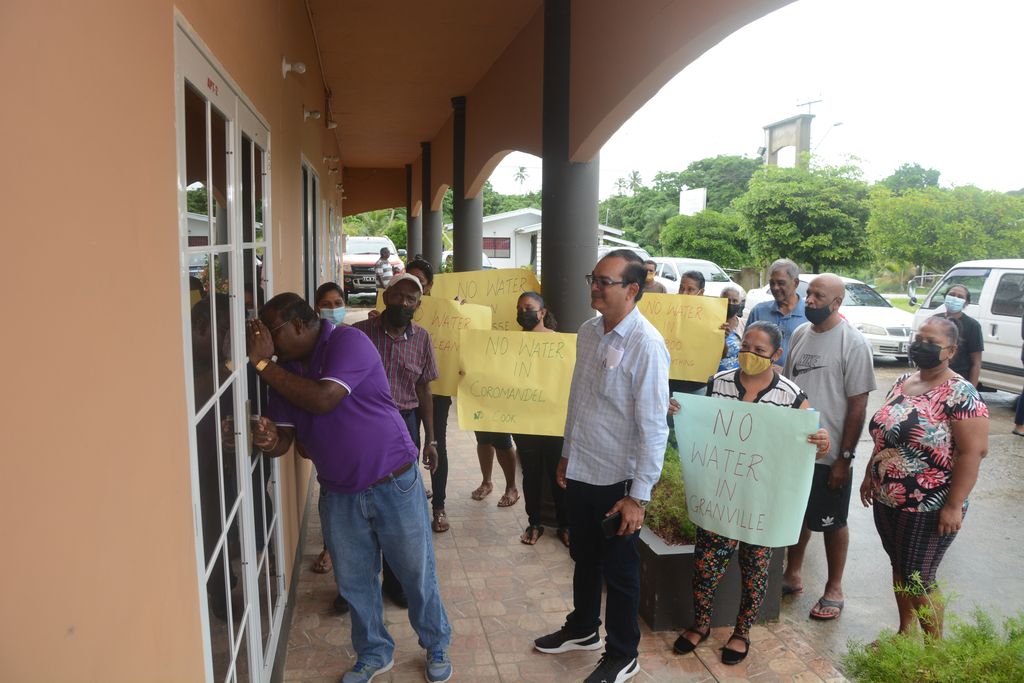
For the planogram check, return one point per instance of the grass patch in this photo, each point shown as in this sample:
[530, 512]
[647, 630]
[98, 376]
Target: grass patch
[974, 650]
[667, 515]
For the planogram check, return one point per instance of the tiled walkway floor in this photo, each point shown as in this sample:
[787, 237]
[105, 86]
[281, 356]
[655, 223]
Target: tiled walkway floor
[500, 595]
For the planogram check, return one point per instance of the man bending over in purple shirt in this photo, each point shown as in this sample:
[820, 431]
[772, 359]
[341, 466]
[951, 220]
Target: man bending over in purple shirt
[328, 389]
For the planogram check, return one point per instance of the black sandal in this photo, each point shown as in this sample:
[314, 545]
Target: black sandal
[731, 657]
[684, 646]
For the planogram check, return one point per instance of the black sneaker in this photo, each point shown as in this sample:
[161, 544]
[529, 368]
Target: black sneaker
[612, 669]
[564, 640]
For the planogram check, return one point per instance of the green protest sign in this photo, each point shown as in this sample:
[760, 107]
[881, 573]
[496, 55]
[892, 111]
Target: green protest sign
[747, 467]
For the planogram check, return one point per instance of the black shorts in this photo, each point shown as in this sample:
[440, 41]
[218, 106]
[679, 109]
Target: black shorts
[496, 439]
[827, 508]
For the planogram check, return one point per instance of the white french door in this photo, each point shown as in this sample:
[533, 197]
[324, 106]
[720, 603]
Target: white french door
[224, 225]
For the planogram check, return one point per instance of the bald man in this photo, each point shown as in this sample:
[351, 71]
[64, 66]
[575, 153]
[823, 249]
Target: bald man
[832, 362]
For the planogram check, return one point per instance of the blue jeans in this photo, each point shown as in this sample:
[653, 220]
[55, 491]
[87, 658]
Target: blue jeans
[391, 517]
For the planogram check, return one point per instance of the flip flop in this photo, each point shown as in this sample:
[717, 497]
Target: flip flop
[563, 535]
[790, 590]
[482, 491]
[322, 565]
[510, 498]
[532, 534]
[1016, 433]
[817, 612]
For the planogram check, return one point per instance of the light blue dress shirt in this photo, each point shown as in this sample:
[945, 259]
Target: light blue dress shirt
[615, 428]
[769, 310]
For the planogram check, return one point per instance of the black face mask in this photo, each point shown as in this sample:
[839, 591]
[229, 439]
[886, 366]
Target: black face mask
[817, 316]
[925, 355]
[398, 315]
[528, 319]
[734, 309]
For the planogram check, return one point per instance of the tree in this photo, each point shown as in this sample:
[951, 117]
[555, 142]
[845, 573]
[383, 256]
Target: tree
[708, 235]
[195, 200]
[634, 182]
[520, 176]
[937, 228]
[726, 177]
[620, 186]
[911, 177]
[813, 216]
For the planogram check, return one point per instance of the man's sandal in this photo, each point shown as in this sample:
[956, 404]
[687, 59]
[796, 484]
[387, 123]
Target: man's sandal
[322, 565]
[827, 610]
[531, 534]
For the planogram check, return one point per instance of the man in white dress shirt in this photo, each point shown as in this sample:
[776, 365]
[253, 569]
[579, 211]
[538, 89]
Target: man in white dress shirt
[615, 435]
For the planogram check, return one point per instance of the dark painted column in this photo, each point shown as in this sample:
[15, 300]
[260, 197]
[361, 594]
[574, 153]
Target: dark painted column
[413, 225]
[431, 219]
[468, 218]
[569, 194]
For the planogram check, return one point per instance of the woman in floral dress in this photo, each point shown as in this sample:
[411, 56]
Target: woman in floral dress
[930, 436]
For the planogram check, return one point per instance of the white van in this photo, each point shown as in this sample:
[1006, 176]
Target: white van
[997, 302]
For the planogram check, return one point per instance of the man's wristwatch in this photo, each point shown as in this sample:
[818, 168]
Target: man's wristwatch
[848, 455]
[262, 364]
[641, 503]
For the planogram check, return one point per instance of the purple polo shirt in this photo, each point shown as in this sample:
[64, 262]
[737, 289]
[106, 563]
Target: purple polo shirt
[363, 439]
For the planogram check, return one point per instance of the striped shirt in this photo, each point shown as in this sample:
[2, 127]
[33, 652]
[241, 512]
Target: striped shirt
[615, 429]
[781, 392]
[408, 359]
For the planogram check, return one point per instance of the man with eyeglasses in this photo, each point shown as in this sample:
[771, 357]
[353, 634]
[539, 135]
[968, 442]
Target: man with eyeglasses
[328, 389]
[615, 435]
[786, 309]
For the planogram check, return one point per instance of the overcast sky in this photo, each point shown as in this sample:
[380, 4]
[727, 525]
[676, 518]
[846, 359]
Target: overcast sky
[934, 82]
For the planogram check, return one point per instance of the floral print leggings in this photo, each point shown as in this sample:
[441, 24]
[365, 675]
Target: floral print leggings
[711, 558]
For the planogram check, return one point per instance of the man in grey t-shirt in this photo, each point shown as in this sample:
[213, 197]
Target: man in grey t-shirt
[832, 362]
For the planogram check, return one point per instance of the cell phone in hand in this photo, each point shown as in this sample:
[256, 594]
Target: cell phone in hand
[610, 525]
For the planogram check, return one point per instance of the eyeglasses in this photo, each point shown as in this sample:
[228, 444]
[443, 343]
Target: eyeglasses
[603, 282]
[275, 329]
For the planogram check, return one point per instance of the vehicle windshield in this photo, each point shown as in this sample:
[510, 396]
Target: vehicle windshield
[859, 294]
[971, 278]
[710, 273]
[366, 246]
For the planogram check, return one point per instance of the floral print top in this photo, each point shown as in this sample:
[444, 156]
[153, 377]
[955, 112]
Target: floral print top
[731, 360]
[912, 463]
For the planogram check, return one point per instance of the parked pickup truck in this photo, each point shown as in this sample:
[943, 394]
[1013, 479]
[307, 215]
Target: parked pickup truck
[357, 263]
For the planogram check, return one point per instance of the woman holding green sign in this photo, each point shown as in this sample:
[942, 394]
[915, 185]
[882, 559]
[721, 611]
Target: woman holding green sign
[754, 382]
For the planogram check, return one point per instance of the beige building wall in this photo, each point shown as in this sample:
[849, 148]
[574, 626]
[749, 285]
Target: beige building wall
[100, 578]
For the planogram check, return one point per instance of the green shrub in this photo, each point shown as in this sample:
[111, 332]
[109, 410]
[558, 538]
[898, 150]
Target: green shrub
[970, 651]
[667, 515]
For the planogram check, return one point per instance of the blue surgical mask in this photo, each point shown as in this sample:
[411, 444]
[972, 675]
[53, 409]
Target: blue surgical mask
[334, 315]
[954, 304]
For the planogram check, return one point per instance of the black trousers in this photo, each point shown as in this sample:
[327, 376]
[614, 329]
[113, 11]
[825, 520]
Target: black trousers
[439, 477]
[539, 456]
[611, 563]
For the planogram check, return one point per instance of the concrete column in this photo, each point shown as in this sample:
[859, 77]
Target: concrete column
[569, 194]
[413, 225]
[431, 219]
[468, 218]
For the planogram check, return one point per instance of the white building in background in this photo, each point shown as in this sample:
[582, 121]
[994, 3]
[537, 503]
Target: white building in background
[512, 239]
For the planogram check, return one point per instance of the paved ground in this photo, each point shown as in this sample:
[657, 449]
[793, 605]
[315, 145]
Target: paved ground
[501, 594]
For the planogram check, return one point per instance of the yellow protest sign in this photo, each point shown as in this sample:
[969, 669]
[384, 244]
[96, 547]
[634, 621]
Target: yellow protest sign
[499, 289]
[445, 319]
[515, 382]
[690, 326]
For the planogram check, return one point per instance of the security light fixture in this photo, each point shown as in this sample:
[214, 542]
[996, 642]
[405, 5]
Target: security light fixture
[331, 125]
[295, 67]
[308, 114]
